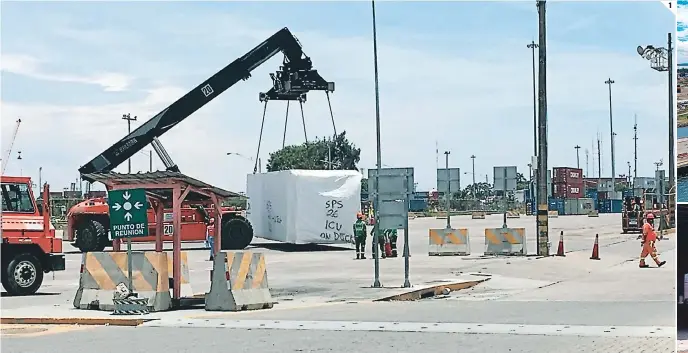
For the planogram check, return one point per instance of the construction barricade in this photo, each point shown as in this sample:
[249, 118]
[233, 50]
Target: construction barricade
[553, 214]
[101, 272]
[593, 213]
[239, 282]
[505, 241]
[186, 290]
[478, 215]
[448, 242]
[513, 214]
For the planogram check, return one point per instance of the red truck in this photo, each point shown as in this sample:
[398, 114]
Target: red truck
[29, 245]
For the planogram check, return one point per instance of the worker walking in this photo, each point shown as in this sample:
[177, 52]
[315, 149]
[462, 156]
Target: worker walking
[360, 236]
[210, 240]
[392, 235]
[380, 241]
[649, 239]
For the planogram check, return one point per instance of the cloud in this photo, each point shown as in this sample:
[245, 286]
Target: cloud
[27, 65]
[477, 101]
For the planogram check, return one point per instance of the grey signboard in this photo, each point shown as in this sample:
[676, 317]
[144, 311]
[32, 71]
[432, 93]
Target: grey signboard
[448, 177]
[505, 178]
[396, 187]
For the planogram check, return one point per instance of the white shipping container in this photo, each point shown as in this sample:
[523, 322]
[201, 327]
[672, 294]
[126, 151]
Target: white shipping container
[644, 183]
[304, 206]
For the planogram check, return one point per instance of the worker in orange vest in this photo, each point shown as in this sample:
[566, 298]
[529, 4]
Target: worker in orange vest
[649, 239]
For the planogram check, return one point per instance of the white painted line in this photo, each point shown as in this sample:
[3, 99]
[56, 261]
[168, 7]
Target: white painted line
[470, 328]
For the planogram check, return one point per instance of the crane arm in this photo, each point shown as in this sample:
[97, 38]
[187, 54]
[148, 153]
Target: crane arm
[9, 150]
[296, 76]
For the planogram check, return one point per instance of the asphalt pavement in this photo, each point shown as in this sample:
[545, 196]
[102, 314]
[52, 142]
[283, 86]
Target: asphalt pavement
[529, 304]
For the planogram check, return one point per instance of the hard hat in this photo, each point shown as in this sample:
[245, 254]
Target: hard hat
[650, 216]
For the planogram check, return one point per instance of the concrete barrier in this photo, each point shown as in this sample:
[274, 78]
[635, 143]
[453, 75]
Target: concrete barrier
[513, 214]
[478, 215]
[186, 290]
[101, 272]
[553, 214]
[505, 241]
[448, 242]
[594, 213]
[239, 282]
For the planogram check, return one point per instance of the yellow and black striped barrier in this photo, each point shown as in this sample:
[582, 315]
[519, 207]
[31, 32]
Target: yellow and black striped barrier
[505, 241]
[239, 282]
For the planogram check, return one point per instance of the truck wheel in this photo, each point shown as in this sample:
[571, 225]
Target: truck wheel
[237, 234]
[24, 275]
[91, 236]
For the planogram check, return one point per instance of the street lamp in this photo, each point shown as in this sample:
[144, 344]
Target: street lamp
[661, 59]
[609, 83]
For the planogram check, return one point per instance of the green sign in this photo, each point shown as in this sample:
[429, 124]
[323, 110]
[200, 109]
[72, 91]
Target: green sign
[128, 213]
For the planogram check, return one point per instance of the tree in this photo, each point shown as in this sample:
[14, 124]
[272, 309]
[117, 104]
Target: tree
[314, 155]
[521, 182]
[481, 191]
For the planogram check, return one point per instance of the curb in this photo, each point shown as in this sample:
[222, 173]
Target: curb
[428, 292]
[71, 321]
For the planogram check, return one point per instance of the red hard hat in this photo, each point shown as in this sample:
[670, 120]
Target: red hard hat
[650, 216]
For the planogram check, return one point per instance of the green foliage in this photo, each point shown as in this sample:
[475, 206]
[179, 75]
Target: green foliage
[314, 155]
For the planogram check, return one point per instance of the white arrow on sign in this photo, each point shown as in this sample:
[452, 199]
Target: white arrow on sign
[117, 206]
[128, 216]
[138, 205]
[126, 195]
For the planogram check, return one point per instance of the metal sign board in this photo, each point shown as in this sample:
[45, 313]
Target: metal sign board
[395, 183]
[396, 188]
[453, 175]
[505, 178]
[128, 213]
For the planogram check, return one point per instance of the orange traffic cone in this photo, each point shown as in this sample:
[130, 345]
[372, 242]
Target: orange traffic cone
[596, 249]
[560, 250]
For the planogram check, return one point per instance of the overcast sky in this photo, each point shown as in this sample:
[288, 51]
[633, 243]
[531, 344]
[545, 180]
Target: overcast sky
[458, 73]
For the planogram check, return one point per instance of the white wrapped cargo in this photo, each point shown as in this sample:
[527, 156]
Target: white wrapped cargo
[304, 206]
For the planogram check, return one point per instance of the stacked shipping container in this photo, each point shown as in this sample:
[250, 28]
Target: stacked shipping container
[567, 183]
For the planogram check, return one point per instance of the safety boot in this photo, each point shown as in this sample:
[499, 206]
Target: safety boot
[358, 256]
[661, 264]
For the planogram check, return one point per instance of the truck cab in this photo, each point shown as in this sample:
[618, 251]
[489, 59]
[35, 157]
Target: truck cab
[30, 247]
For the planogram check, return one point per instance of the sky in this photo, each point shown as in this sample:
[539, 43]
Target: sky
[682, 31]
[453, 73]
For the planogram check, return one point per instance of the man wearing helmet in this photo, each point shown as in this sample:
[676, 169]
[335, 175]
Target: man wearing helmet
[360, 236]
[649, 238]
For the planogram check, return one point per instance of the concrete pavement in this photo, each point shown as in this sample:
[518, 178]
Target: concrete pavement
[607, 305]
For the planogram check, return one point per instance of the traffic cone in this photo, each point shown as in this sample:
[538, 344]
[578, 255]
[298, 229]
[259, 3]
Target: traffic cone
[596, 249]
[560, 250]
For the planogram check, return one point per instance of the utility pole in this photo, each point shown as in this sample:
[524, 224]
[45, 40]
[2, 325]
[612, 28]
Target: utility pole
[587, 164]
[129, 119]
[473, 162]
[532, 46]
[672, 90]
[599, 164]
[609, 83]
[542, 219]
[376, 210]
[635, 149]
[577, 156]
[448, 195]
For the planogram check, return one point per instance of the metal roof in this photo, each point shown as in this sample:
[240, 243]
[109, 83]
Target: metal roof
[159, 177]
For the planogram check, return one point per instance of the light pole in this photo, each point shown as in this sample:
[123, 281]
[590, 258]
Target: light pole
[376, 201]
[473, 163]
[129, 119]
[542, 218]
[609, 83]
[532, 46]
[577, 156]
[448, 196]
[662, 59]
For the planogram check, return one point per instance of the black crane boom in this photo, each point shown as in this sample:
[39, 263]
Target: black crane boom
[295, 77]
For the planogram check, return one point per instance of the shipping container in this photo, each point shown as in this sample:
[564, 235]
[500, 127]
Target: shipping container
[556, 205]
[610, 206]
[421, 195]
[565, 175]
[627, 193]
[591, 193]
[418, 205]
[578, 206]
[568, 191]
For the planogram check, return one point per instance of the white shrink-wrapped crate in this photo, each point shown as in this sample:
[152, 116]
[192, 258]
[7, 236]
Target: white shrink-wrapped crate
[304, 206]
